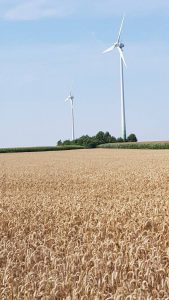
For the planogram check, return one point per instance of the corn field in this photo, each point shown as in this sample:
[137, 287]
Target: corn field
[84, 224]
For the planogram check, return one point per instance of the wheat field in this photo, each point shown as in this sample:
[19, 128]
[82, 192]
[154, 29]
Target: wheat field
[84, 224]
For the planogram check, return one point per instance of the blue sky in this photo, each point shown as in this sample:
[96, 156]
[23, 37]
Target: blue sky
[45, 45]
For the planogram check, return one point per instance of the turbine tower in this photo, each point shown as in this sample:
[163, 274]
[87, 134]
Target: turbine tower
[71, 99]
[120, 46]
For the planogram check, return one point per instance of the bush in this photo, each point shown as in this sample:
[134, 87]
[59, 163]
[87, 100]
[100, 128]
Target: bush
[119, 140]
[67, 142]
[132, 138]
[91, 145]
[59, 143]
[113, 140]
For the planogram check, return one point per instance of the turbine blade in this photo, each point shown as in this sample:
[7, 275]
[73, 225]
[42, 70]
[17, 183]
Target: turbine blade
[110, 49]
[122, 56]
[121, 27]
[67, 99]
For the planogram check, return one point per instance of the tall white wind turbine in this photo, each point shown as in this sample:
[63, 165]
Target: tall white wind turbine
[119, 46]
[71, 99]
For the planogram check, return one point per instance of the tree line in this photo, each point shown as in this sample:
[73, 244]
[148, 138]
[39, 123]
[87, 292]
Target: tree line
[98, 139]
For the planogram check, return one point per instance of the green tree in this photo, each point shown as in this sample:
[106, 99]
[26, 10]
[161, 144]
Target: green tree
[107, 137]
[82, 141]
[113, 139]
[67, 142]
[100, 138]
[59, 143]
[132, 138]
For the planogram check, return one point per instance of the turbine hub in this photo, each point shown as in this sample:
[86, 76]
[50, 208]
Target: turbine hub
[121, 45]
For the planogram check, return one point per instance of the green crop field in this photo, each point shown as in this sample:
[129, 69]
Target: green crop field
[138, 145]
[39, 149]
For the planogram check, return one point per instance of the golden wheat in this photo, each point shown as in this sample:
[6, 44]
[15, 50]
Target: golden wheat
[88, 224]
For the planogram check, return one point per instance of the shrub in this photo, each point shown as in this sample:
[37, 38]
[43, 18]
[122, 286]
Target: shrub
[113, 139]
[120, 140]
[59, 143]
[132, 138]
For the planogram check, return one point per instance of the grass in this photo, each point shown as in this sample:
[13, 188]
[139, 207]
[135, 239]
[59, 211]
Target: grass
[89, 224]
[39, 149]
[138, 145]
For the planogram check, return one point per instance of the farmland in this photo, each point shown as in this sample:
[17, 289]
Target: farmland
[137, 145]
[84, 224]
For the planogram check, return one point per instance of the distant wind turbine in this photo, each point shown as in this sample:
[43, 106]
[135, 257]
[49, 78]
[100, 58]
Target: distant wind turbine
[120, 47]
[71, 99]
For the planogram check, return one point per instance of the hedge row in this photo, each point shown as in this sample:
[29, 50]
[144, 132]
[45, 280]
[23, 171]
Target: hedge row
[158, 145]
[39, 149]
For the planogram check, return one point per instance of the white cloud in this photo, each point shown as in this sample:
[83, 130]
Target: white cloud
[17, 10]
[37, 9]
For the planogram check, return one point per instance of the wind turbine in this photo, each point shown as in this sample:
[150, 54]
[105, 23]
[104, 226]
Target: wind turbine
[71, 99]
[120, 46]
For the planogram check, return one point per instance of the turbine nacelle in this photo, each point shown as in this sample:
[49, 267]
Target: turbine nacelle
[69, 98]
[116, 45]
[121, 45]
